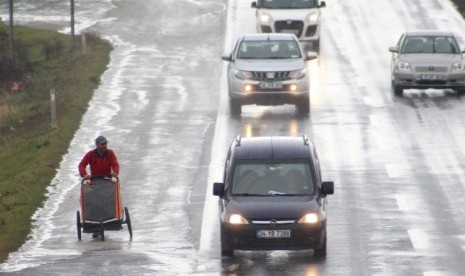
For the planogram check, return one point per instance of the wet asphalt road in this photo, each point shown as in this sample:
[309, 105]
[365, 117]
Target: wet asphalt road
[397, 163]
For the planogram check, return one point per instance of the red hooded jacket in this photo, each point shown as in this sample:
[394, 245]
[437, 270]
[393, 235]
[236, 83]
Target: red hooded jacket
[99, 165]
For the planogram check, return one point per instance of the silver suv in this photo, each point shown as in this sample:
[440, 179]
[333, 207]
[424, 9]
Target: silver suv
[299, 17]
[268, 69]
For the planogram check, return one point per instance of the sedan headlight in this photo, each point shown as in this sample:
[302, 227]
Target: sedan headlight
[298, 74]
[236, 219]
[243, 75]
[312, 17]
[265, 18]
[404, 66]
[457, 67]
[310, 218]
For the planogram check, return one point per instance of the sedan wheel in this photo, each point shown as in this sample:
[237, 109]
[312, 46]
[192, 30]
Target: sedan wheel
[397, 90]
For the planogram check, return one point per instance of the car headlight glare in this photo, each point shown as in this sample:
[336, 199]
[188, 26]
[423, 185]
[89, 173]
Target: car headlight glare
[458, 67]
[312, 17]
[243, 75]
[404, 66]
[310, 218]
[265, 18]
[298, 74]
[237, 219]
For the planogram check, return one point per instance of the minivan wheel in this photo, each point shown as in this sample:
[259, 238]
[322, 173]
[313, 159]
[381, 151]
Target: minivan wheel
[397, 90]
[225, 250]
[320, 253]
[235, 107]
[461, 91]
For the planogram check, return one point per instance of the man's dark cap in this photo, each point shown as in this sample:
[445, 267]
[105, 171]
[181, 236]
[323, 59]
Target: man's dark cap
[100, 140]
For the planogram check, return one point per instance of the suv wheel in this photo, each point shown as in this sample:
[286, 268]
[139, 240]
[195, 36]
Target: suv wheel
[397, 90]
[235, 107]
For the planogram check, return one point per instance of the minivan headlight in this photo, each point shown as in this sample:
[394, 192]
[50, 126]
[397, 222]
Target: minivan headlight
[236, 219]
[457, 67]
[265, 18]
[298, 74]
[243, 75]
[312, 17]
[404, 66]
[310, 218]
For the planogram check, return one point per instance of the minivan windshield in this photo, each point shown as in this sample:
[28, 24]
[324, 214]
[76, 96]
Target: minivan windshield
[288, 4]
[268, 49]
[281, 177]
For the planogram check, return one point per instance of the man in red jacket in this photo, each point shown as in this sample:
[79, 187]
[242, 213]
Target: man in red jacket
[102, 161]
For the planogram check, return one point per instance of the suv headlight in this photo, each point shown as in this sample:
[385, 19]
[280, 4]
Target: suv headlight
[458, 67]
[404, 66]
[265, 18]
[236, 219]
[243, 75]
[298, 74]
[310, 218]
[312, 17]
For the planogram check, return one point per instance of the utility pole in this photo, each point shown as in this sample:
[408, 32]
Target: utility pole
[12, 45]
[72, 22]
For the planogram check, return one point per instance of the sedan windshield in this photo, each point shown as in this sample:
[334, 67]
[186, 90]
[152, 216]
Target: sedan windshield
[282, 49]
[259, 178]
[430, 45]
[288, 4]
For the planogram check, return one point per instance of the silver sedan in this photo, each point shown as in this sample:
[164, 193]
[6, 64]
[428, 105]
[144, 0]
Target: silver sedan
[427, 59]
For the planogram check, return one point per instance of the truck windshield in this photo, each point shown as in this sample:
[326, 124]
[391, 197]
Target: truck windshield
[268, 49]
[282, 177]
[288, 4]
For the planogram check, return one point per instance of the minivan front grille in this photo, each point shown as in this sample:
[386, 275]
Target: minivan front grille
[289, 26]
[430, 69]
[271, 76]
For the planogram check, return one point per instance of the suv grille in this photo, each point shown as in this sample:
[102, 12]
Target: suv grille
[289, 26]
[271, 76]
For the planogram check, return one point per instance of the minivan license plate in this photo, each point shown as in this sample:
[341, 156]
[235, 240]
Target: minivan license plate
[273, 234]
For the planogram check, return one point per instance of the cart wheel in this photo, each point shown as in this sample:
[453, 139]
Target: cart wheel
[102, 231]
[128, 221]
[78, 224]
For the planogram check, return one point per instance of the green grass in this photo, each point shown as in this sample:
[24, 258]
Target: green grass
[30, 149]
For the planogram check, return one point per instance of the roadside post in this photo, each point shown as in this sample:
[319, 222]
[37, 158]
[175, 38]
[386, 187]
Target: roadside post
[53, 108]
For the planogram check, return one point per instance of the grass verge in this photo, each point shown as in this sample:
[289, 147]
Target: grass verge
[30, 149]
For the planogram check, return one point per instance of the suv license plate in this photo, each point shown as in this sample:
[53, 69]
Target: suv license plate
[273, 234]
[271, 85]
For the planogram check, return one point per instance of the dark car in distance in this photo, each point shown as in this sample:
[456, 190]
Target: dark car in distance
[272, 196]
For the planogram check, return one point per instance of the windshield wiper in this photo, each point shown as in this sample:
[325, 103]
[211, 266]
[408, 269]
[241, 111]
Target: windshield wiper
[273, 193]
[247, 194]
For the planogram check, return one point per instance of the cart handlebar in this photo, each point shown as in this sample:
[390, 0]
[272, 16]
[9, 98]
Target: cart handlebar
[88, 181]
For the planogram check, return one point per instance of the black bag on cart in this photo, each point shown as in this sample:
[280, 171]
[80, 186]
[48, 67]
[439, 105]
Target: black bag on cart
[99, 200]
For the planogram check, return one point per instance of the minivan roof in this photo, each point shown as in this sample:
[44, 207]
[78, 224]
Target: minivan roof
[273, 147]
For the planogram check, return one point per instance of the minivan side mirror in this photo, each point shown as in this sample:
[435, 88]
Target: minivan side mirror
[254, 4]
[393, 49]
[226, 56]
[327, 188]
[218, 189]
[322, 4]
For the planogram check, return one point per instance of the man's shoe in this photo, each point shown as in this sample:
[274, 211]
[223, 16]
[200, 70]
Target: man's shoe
[95, 235]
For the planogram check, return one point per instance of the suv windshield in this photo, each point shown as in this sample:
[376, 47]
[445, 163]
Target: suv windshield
[288, 4]
[283, 49]
[430, 45]
[283, 177]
